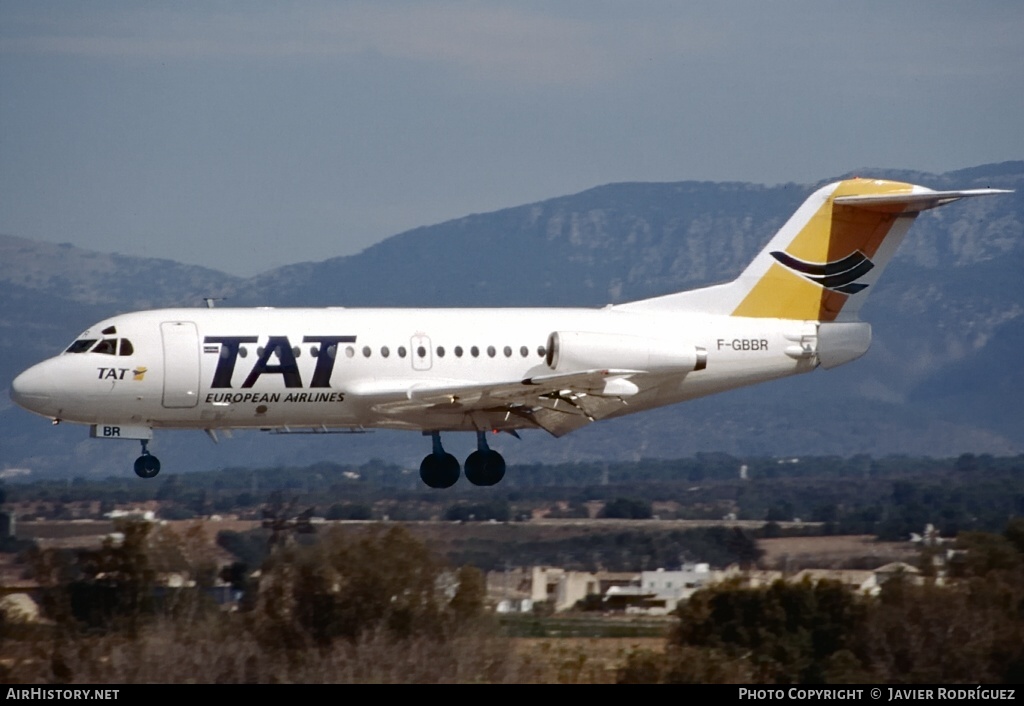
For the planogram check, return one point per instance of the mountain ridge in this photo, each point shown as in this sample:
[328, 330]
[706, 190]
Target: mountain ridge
[949, 308]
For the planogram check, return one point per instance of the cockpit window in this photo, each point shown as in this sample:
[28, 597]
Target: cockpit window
[108, 346]
[110, 331]
[81, 345]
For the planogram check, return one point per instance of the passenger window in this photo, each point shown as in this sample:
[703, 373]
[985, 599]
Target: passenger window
[126, 347]
[474, 351]
[541, 351]
[108, 346]
[440, 351]
[458, 351]
[401, 351]
[508, 351]
[81, 346]
[366, 351]
[524, 351]
[385, 352]
[490, 351]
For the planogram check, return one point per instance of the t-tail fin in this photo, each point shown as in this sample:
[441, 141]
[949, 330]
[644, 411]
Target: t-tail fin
[822, 263]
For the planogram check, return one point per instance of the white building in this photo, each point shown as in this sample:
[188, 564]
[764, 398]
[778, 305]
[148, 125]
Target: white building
[660, 592]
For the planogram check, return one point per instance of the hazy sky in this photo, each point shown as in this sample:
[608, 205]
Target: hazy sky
[246, 135]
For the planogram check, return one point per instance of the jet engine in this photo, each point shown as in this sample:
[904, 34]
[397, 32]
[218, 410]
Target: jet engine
[569, 351]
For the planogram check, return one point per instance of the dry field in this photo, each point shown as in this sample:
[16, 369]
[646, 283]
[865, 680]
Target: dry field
[788, 553]
[581, 660]
[838, 552]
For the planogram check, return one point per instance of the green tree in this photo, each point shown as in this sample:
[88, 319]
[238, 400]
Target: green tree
[351, 584]
[628, 508]
[1014, 534]
[966, 632]
[349, 511]
[787, 632]
[470, 594]
[117, 580]
[497, 510]
[967, 463]
[980, 553]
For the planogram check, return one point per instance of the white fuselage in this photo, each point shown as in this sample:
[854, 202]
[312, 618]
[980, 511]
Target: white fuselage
[354, 368]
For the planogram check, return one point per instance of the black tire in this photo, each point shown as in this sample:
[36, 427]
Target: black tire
[147, 466]
[440, 470]
[485, 468]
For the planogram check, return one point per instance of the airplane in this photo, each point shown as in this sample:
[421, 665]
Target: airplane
[793, 309]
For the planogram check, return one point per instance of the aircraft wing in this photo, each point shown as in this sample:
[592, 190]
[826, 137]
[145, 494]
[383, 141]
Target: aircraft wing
[557, 403]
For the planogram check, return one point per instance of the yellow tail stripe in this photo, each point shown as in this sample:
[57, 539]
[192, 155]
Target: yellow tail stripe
[831, 234]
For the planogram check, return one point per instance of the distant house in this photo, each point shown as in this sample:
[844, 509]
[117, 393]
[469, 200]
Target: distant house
[659, 592]
[564, 589]
[897, 569]
[755, 578]
[861, 581]
[518, 590]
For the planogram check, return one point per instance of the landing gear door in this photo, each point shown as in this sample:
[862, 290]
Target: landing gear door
[181, 364]
[421, 353]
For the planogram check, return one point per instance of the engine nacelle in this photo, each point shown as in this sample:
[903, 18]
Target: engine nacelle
[569, 351]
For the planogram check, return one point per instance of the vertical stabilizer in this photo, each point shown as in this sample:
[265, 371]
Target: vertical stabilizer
[822, 263]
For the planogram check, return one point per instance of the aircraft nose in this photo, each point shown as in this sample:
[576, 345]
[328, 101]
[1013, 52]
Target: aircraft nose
[32, 389]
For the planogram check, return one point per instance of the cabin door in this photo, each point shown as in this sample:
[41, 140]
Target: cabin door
[181, 364]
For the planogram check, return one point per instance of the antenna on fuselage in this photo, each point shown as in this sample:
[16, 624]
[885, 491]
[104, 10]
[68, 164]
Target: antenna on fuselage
[210, 300]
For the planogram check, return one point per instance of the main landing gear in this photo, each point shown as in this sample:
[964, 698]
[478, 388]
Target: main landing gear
[484, 466]
[147, 465]
[441, 470]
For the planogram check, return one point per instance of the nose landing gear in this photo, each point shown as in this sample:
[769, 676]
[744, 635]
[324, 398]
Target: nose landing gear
[147, 465]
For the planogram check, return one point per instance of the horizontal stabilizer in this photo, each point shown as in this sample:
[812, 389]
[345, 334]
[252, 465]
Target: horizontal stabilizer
[911, 202]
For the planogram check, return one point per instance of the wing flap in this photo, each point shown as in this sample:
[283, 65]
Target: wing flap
[556, 422]
[558, 403]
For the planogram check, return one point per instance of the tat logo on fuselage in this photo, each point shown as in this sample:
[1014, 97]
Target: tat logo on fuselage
[119, 373]
[286, 366]
[838, 275]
